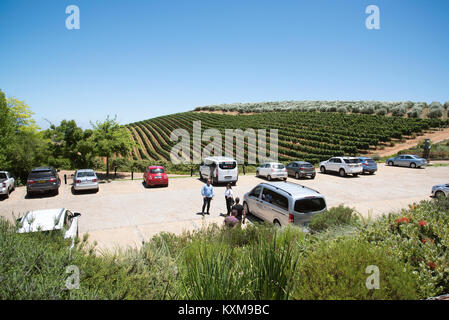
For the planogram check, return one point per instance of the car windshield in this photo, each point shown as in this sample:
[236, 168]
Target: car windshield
[227, 165]
[351, 160]
[85, 174]
[309, 205]
[278, 166]
[40, 174]
[2, 175]
[157, 170]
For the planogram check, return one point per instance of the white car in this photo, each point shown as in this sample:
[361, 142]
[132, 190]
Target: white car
[342, 165]
[85, 179]
[440, 190]
[272, 170]
[51, 219]
[7, 183]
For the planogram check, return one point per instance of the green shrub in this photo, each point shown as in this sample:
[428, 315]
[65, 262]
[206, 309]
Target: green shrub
[334, 217]
[337, 270]
[381, 111]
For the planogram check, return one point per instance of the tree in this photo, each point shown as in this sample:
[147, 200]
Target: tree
[110, 138]
[22, 114]
[7, 131]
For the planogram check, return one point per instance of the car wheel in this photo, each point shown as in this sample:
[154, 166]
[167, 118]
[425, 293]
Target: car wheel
[7, 194]
[412, 165]
[355, 174]
[56, 192]
[390, 163]
[342, 172]
[296, 175]
[276, 224]
[323, 169]
[73, 190]
[234, 183]
[440, 194]
[245, 207]
[312, 177]
[269, 178]
[371, 172]
[257, 173]
[201, 176]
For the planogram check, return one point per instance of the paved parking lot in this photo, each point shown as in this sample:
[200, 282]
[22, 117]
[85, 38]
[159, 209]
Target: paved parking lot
[124, 213]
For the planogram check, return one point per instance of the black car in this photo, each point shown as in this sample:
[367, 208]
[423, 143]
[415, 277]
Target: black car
[43, 180]
[301, 169]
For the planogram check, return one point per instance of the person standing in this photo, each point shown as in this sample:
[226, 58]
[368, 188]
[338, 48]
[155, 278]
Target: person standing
[229, 197]
[207, 191]
[241, 214]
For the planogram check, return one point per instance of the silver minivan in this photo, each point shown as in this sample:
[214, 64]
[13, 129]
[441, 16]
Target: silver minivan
[282, 203]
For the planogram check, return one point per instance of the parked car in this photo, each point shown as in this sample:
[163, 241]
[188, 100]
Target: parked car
[272, 170]
[342, 165]
[440, 190]
[155, 175]
[407, 160]
[49, 220]
[7, 183]
[43, 180]
[368, 165]
[219, 170]
[301, 169]
[282, 203]
[85, 179]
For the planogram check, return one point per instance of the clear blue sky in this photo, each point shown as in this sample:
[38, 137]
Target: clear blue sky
[141, 59]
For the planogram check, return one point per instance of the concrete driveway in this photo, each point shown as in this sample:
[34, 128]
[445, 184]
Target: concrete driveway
[124, 213]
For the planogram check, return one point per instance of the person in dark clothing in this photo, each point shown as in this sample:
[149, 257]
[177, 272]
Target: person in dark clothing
[241, 214]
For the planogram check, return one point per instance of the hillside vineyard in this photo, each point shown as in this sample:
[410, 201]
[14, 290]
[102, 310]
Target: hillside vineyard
[309, 136]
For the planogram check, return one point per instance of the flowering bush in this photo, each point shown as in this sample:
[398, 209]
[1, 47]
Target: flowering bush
[419, 236]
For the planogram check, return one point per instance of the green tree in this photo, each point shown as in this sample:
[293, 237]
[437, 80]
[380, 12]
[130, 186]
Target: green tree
[110, 138]
[22, 114]
[7, 131]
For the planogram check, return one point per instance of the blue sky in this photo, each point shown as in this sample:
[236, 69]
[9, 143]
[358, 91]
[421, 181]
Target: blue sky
[139, 59]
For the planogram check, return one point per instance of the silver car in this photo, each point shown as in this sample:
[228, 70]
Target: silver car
[440, 190]
[407, 160]
[272, 170]
[85, 179]
[283, 203]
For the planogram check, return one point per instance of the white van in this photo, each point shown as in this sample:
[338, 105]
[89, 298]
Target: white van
[219, 170]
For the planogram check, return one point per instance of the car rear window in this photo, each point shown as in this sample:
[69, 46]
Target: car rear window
[352, 160]
[306, 165]
[309, 205]
[227, 165]
[2, 175]
[85, 174]
[41, 174]
[158, 170]
[278, 166]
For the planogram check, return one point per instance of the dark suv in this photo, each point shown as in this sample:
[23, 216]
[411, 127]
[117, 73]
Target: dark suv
[43, 180]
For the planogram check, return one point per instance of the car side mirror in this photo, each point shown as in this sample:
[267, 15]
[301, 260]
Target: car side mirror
[76, 214]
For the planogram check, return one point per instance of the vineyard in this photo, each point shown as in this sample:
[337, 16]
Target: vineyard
[309, 136]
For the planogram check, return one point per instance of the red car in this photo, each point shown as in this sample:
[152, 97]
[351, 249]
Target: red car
[155, 176]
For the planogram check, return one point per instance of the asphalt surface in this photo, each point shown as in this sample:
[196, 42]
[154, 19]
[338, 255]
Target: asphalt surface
[124, 213]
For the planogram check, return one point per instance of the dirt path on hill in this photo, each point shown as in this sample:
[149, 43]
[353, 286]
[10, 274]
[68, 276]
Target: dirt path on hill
[434, 136]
